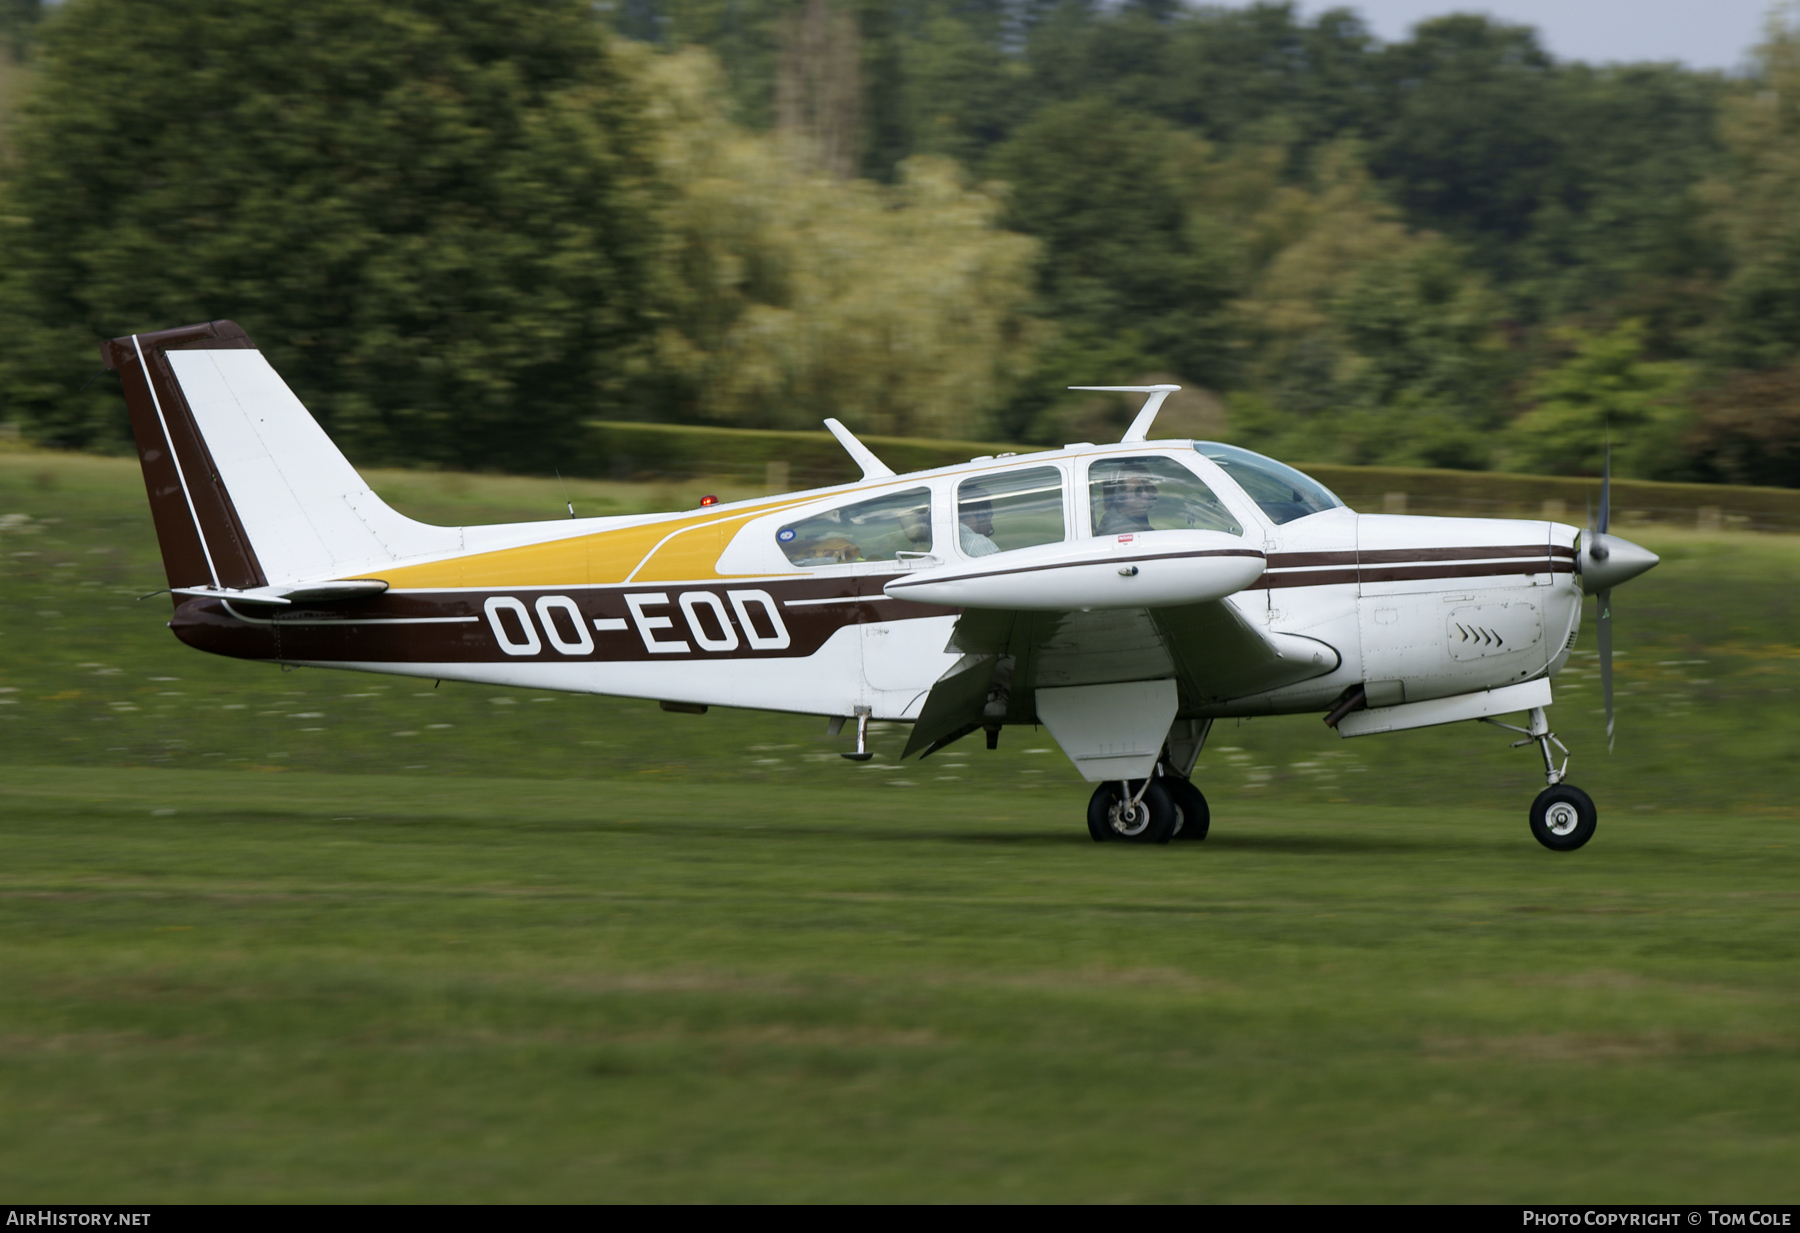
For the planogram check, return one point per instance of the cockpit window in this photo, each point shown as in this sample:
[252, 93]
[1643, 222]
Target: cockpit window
[879, 530]
[1281, 492]
[1153, 493]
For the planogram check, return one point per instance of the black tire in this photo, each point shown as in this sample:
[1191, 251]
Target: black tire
[1196, 818]
[1563, 818]
[1151, 821]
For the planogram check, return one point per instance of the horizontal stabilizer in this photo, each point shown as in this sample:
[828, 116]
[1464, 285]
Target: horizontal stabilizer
[303, 592]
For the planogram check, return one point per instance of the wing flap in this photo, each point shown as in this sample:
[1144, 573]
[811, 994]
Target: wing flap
[1209, 649]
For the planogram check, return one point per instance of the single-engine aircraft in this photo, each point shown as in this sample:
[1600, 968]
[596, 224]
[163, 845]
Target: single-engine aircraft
[1125, 596]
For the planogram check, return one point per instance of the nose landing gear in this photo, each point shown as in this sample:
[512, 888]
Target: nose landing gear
[1563, 817]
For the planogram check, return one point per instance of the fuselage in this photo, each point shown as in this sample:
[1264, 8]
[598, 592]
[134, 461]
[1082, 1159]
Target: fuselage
[801, 602]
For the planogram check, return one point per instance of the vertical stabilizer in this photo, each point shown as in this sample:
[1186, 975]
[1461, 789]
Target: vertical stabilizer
[245, 487]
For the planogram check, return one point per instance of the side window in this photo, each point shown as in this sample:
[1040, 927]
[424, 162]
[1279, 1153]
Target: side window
[1014, 509]
[1153, 493]
[877, 530]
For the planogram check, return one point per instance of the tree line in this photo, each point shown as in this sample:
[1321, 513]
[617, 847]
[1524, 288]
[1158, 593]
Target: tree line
[462, 229]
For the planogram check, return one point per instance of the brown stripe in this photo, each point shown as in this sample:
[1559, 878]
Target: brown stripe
[1392, 573]
[184, 557]
[1390, 556]
[369, 630]
[1311, 578]
[1407, 573]
[1294, 560]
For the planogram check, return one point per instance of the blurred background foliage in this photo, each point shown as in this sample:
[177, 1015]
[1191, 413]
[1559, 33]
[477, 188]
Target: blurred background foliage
[461, 230]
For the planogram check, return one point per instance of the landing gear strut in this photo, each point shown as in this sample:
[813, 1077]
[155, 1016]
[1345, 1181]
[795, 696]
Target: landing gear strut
[1563, 817]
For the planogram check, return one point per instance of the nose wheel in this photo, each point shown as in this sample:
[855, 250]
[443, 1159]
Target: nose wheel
[1563, 817]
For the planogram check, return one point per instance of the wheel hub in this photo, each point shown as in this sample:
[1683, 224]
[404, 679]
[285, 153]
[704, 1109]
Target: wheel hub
[1562, 818]
[1130, 818]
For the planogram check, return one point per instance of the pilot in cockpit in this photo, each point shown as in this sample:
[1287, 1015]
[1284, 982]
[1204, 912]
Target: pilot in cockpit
[975, 523]
[1126, 494]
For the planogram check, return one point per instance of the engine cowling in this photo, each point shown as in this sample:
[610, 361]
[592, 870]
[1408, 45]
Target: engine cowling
[1150, 569]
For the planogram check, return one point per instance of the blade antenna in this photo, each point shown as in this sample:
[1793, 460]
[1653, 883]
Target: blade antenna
[872, 467]
[1140, 427]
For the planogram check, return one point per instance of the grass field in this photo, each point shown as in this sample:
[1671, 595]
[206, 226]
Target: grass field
[271, 936]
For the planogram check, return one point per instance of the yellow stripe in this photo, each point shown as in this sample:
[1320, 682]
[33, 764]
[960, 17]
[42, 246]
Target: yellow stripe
[689, 549]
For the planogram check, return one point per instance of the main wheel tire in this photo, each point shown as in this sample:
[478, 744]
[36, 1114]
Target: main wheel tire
[1563, 818]
[1196, 818]
[1113, 818]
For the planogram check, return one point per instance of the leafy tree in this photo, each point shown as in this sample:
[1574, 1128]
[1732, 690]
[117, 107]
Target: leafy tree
[1470, 144]
[18, 22]
[1111, 195]
[1754, 203]
[790, 295]
[434, 217]
[964, 93]
[1747, 430]
[1604, 390]
[1370, 341]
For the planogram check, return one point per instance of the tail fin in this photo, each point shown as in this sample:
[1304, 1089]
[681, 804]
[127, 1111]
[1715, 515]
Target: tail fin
[246, 490]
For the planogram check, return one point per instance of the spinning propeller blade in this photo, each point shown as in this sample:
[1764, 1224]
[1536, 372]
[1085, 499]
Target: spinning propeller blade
[1604, 629]
[1606, 561]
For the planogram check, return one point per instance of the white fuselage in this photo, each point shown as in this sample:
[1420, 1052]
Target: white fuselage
[1413, 607]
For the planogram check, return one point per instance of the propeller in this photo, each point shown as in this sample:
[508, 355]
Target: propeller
[1606, 561]
[1603, 627]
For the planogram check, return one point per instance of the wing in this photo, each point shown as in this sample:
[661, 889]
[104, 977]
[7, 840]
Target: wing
[1209, 649]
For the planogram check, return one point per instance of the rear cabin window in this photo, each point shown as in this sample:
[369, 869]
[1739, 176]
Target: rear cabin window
[1153, 493]
[1013, 509]
[882, 529]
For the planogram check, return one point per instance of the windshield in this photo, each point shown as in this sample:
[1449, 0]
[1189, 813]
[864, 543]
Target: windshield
[1281, 492]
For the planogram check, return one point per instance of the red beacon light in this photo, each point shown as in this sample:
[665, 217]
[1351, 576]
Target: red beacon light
[707, 500]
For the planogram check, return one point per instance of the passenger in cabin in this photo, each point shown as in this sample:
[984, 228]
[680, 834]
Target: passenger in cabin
[1127, 494]
[915, 524]
[975, 523]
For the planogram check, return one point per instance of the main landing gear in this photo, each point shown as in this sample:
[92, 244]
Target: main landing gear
[1563, 817]
[1152, 810]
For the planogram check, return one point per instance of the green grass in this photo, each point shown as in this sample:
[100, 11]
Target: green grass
[271, 936]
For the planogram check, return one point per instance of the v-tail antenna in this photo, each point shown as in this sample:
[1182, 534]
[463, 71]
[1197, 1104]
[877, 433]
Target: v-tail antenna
[872, 467]
[1140, 427]
[565, 492]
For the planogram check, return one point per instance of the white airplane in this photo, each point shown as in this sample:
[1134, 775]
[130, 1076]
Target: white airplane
[1125, 596]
